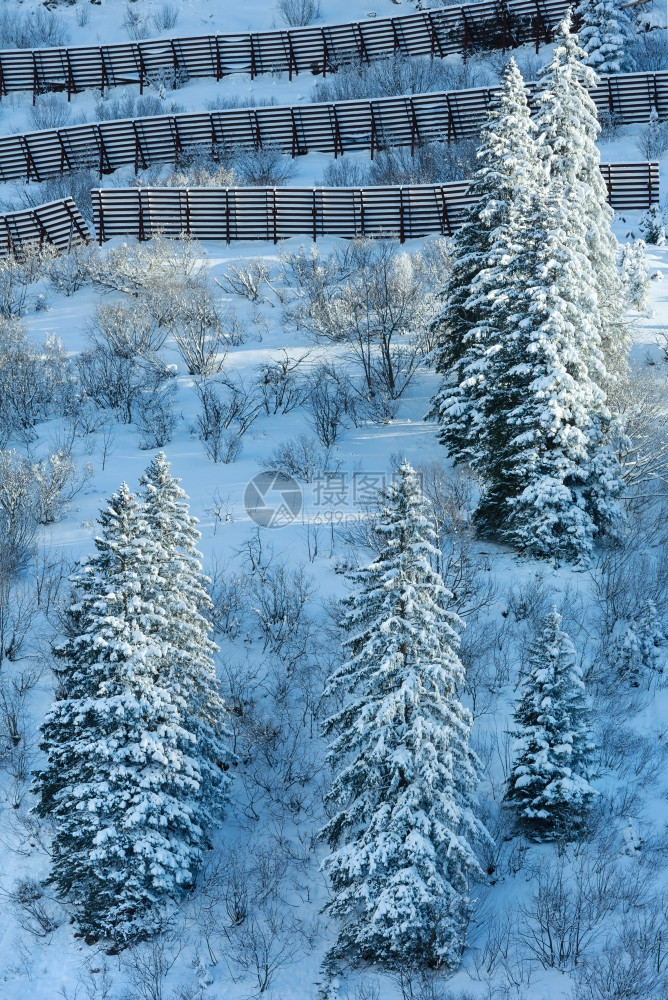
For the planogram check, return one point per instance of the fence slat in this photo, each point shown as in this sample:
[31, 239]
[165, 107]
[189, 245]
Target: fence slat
[406, 211]
[500, 24]
[335, 128]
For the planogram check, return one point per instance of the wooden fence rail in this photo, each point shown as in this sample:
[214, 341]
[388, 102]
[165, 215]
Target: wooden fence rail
[334, 128]
[59, 223]
[485, 25]
[279, 213]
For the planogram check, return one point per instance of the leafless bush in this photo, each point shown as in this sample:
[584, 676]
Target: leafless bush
[228, 410]
[34, 911]
[76, 183]
[116, 382]
[328, 401]
[148, 964]
[38, 28]
[428, 163]
[152, 268]
[248, 278]
[282, 383]
[229, 596]
[399, 74]
[18, 272]
[128, 330]
[301, 457]
[56, 483]
[652, 141]
[18, 520]
[34, 382]
[130, 106]
[50, 111]
[68, 272]
[279, 600]
[136, 23]
[619, 973]
[266, 166]
[165, 17]
[298, 13]
[565, 915]
[650, 50]
[197, 327]
[155, 418]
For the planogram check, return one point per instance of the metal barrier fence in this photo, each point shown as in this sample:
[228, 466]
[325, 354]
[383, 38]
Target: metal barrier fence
[335, 128]
[59, 223]
[279, 213]
[486, 25]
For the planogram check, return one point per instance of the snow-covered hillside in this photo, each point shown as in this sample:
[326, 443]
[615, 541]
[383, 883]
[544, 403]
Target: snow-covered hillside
[547, 922]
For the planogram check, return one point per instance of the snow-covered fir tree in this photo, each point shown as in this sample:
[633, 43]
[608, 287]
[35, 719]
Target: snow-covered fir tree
[652, 225]
[633, 266]
[185, 630]
[404, 781]
[637, 649]
[568, 128]
[606, 35]
[550, 475]
[122, 781]
[509, 170]
[549, 787]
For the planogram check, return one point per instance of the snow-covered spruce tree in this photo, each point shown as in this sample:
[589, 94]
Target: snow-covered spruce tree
[550, 476]
[121, 781]
[568, 127]
[509, 170]
[548, 787]
[184, 601]
[636, 650]
[404, 775]
[606, 35]
[633, 266]
[652, 225]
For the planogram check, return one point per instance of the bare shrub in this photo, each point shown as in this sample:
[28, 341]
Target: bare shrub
[650, 50]
[34, 382]
[18, 272]
[18, 520]
[38, 28]
[301, 457]
[34, 911]
[399, 74]
[196, 325]
[68, 272]
[165, 17]
[76, 183]
[118, 383]
[266, 166]
[279, 599]
[282, 383]
[328, 401]
[565, 915]
[50, 111]
[229, 408]
[155, 418]
[298, 13]
[248, 278]
[429, 163]
[56, 483]
[128, 330]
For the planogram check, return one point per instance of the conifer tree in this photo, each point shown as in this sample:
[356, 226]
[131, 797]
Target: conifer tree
[606, 36]
[633, 267]
[550, 476]
[568, 128]
[184, 630]
[404, 775]
[121, 782]
[549, 787]
[509, 170]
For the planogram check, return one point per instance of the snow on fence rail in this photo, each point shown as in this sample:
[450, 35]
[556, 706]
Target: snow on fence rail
[278, 213]
[59, 223]
[319, 49]
[333, 128]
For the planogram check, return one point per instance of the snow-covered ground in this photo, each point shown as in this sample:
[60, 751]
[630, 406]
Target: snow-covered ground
[202, 957]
